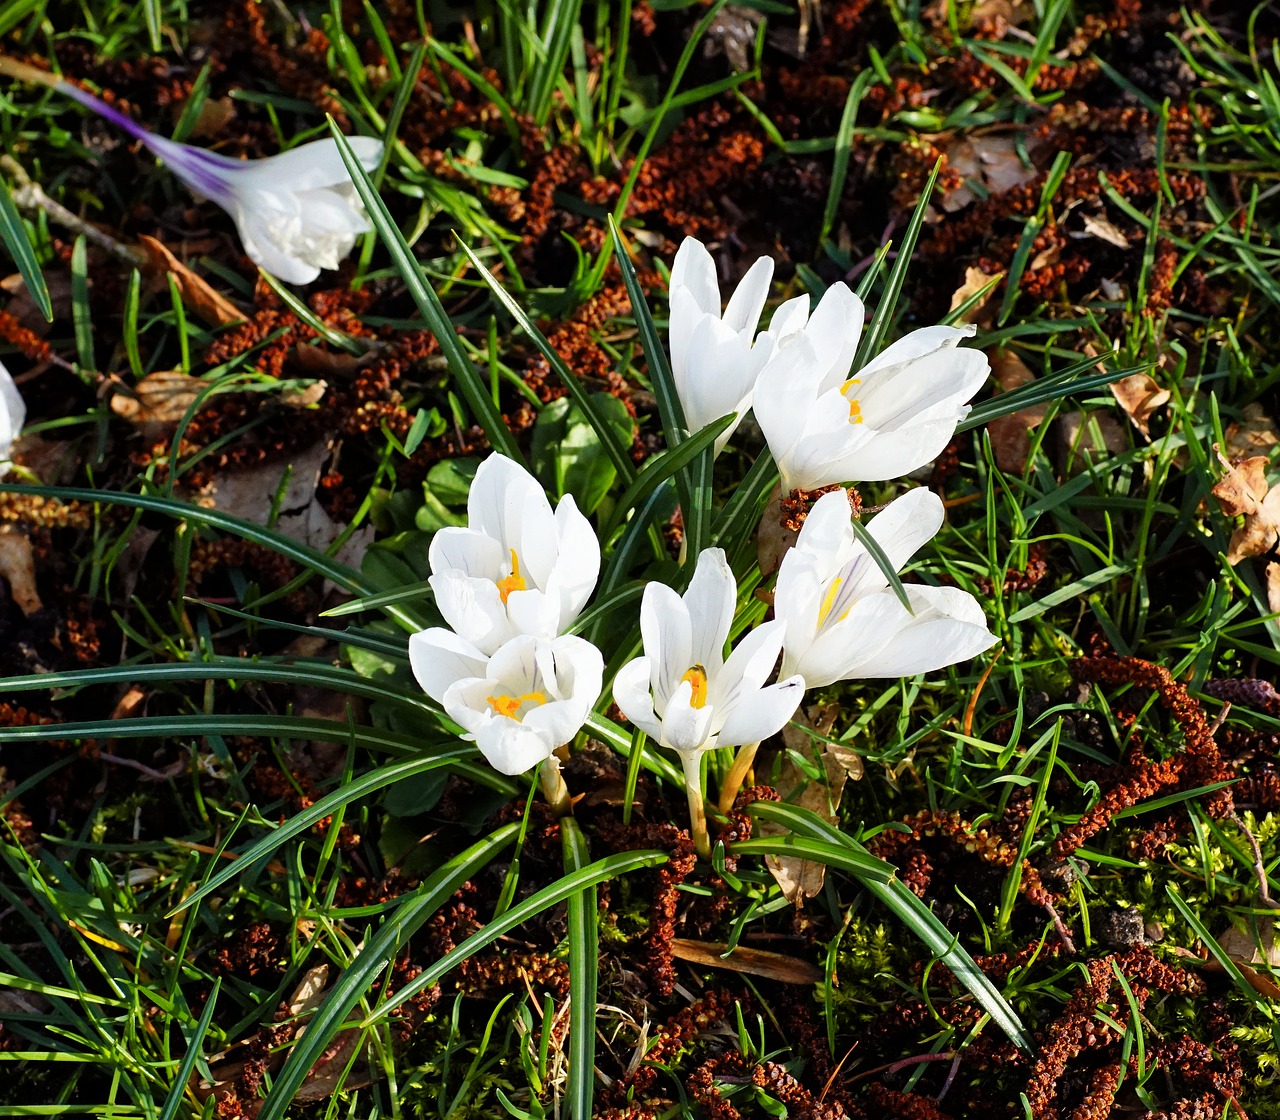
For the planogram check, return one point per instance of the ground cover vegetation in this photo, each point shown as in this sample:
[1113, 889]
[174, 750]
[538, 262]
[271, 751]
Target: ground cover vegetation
[249, 867]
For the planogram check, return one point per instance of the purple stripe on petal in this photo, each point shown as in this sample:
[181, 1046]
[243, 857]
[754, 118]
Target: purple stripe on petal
[107, 112]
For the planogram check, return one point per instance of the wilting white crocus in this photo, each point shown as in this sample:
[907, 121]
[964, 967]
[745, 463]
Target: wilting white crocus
[844, 621]
[899, 411]
[517, 568]
[297, 212]
[683, 692]
[715, 357]
[519, 705]
[13, 414]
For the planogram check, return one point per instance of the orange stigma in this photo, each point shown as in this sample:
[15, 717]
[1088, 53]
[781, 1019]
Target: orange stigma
[513, 582]
[697, 677]
[510, 706]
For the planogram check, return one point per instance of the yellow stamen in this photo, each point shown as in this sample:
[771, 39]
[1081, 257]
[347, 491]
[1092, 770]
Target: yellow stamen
[513, 582]
[829, 600]
[855, 409]
[697, 677]
[510, 706]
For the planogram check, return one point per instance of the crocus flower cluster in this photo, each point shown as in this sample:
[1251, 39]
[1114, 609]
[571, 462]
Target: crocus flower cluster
[13, 414]
[511, 583]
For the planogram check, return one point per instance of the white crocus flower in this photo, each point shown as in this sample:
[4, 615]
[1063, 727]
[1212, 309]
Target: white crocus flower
[824, 426]
[517, 568]
[684, 693]
[296, 212]
[518, 705]
[715, 357]
[13, 414]
[843, 619]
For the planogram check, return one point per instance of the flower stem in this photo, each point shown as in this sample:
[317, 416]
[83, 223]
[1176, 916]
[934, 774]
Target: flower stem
[692, 761]
[737, 775]
[553, 787]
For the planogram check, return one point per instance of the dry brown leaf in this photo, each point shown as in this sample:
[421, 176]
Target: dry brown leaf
[251, 492]
[1254, 435]
[1045, 258]
[309, 992]
[1140, 395]
[18, 569]
[772, 540]
[1011, 435]
[158, 401]
[334, 364]
[974, 281]
[209, 306]
[1105, 231]
[799, 879]
[214, 116]
[1094, 433]
[991, 159]
[1243, 492]
[304, 398]
[754, 962]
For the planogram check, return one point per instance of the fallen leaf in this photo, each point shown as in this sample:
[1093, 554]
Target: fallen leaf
[251, 493]
[309, 992]
[1045, 258]
[158, 401]
[214, 116]
[1140, 395]
[1243, 491]
[208, 305]
[317, 360]
[1254, 435]
[772, 540]
[1094, 433]
[992, 160]
[974, 281]
[1105, 231]
[304, 398]
[18, 569]
[1011, 435]
[754, 962]
[799, 879]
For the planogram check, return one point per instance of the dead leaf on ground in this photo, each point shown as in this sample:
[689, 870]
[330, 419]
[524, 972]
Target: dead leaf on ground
[974, 281]
[24, 308]
[1140, 395]
[772, 540]
[208, 305]
[212, 119]
[1255, 434]
[1094, 433]
[801, 878]
[1011, 435]
[18, 569]
[334, 364]
[309, 992]
[993, 161]
[158, 401]
[1103, 230]
[1243, 491]
[251, 492]
[754, 962]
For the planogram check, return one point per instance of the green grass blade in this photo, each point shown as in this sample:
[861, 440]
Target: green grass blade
[1046, 389]
[180, 1080]
[584, 951]
[343, 576]
[14, 235]
[913, 912]
[611, 867]
[465, 374]
[879, 324]
[844, 148]
[557, 34]
[862, 865]
[882, 562]
[379, 951]
[619, 455]
[368, 783]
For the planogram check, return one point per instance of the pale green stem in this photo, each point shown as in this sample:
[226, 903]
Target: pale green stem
[737, 774]
[553, 787]
[692, 761]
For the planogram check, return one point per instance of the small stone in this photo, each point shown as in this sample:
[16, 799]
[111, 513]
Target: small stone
[1119, 928]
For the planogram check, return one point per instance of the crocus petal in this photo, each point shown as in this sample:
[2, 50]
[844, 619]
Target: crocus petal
[916, 344]
[845, 647]
[468, 551]
[757, 715]
[710, 601]
[439, 659]
[511, 747]
[264, 230]
[833, 330]
[534, 612]
[667, 633]
[949, 627]
[747, 301]
[631, 694]
[749, 666]
[694, 271]
[473, 608]
[789, 317]
[889, 455]
[13, 414]
[313, 165]
[928, 388]
[784, 395]
[684, 727]
[577, 560]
